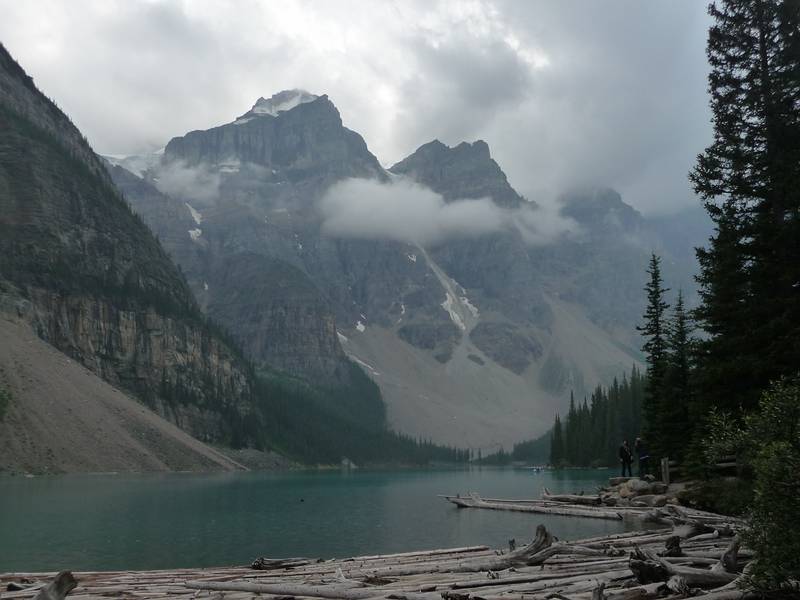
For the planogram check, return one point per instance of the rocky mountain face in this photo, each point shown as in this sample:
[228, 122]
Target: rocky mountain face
[91, 279]
[475, 340]
[465, 171]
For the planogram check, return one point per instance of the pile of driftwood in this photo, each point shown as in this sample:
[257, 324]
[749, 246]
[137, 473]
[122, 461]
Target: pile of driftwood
[623, 497]
[689, 557]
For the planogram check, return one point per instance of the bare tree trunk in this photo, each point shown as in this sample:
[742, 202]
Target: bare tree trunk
[57, 589]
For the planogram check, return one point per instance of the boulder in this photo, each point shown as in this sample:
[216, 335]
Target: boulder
[651, 500]
[658, 488]
[614, 481]
[635, 487]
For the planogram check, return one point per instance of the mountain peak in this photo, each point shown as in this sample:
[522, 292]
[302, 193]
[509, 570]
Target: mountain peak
[601, 209]
[277, 103]
[463, 171]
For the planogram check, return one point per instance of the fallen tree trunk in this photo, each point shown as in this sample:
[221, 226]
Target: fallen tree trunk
[571, 498]
[519, 557]
[475, 501]
[673, 547]
[730, 559]
[648, 568]
[332, 591]
[57, 589]
[269, 564]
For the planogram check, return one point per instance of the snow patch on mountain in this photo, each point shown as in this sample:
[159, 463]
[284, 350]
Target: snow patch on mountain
[281, 102]
[195, 234]
[470, 306]
[449, 306]
[198, 218]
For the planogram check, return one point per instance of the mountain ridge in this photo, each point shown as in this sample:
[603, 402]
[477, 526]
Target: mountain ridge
[491, 304]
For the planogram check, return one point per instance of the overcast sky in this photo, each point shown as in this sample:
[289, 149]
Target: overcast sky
[565, 92]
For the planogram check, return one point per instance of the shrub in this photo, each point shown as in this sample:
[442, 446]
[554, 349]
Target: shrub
[768, 440]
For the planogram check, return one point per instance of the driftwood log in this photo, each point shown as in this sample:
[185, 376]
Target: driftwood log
[648, 567]
[588, 500]
[270, 564]
[62, 584]
[673, 547]
[536, 506]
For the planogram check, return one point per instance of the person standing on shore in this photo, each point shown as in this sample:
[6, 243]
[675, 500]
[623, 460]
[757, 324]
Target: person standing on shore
[642, 456]
[626, 458]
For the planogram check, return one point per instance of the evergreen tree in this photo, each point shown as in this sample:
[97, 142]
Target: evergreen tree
[571, 433]
[654, 330]
[676, 394]
[749, 179]
[593, 432]
[557, 444]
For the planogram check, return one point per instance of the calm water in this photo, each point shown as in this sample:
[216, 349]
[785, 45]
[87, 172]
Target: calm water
[184, 520]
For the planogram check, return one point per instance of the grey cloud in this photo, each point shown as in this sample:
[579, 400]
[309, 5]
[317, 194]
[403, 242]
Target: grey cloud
[178, 180]
[620, 100]
[404, 211]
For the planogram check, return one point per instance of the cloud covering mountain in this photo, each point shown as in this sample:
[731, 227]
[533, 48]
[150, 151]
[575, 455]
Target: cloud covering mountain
[566, 93]
[405, 211]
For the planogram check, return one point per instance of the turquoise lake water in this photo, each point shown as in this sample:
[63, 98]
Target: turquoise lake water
[83, 522]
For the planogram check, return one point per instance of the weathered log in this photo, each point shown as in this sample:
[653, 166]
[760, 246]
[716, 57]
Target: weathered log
[475, 501]
[62, 584]
[684, 527]
[730, 558]
[597, 593]
[731, 594]
[673, 547]
[269, 564]
[647, 567]
[333, 591]
[678, 585]
[571, 498]
[519, 557]
[639, 592]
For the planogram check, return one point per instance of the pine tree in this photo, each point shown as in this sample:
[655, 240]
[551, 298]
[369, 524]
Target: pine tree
[749, 179]
[557, 444]
[571, 433]
[592, 433]
[676, 393]
[654, 331]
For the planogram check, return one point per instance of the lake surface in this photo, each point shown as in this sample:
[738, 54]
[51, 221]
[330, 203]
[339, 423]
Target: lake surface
[84, 522]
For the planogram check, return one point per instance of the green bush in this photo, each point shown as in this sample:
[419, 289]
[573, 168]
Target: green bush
[768, 440]
[723, 495]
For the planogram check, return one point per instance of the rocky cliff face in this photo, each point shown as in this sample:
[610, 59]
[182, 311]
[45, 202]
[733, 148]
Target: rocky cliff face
[93, 281]
[242, 262]
[306, 142]
[465, 171]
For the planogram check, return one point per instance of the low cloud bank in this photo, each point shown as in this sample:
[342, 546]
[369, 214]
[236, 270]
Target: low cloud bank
[178, 180]
[405, 211]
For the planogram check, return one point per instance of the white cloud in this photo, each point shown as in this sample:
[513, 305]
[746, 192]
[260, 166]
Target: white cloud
[566, 92]
[405, 211]
[178, 180]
